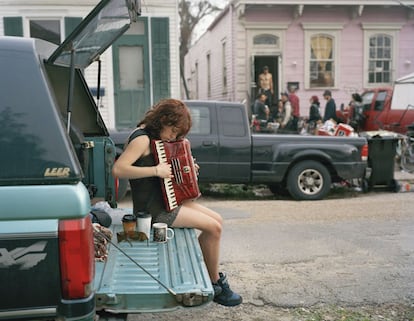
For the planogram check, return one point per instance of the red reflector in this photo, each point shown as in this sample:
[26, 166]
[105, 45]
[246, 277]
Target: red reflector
[364, 152]
[77, 257]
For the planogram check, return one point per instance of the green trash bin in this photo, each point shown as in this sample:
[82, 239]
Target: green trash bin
[382, 148]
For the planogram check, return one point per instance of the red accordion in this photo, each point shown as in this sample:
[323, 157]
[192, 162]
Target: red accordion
[183, 185]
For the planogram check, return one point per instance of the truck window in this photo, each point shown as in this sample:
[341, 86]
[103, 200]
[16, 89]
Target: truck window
[232, 122]
[367, 100]
[379, 102]
[34, 146]
[201, 119]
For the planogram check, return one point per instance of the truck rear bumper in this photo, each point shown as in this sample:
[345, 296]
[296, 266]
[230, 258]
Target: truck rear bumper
[76, 310]
[79, 310]
[351, 170]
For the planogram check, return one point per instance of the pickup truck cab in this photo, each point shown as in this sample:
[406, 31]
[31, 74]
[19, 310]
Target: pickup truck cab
[56, 160]
[387, 108]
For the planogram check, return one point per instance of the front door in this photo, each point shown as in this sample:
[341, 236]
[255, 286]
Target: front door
[131, 80]
[259, 62]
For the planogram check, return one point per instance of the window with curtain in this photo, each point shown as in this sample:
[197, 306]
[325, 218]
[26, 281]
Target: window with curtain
[322, 62]
[380, 59]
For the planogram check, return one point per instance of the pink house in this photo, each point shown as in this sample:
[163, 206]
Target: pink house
[341, 45]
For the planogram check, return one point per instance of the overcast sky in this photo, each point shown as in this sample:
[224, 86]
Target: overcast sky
[199, 30]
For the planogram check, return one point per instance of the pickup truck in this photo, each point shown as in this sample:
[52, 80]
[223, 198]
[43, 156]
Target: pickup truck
[228, 152]
[56, 161]
[387, 108]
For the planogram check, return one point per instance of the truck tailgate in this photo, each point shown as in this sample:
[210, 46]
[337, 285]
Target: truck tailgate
[29, 255]
[123, 287]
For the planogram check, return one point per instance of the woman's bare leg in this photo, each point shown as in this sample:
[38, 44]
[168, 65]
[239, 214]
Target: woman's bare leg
[209, 223]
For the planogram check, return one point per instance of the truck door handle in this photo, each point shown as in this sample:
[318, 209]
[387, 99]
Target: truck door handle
[209, 143]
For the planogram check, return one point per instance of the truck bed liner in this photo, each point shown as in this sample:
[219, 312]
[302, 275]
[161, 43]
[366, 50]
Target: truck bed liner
[123, 287]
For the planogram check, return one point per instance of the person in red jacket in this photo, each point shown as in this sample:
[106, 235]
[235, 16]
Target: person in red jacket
[294, 102]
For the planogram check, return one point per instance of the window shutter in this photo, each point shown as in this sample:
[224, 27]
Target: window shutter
[160, 47]
[70, 24]
[13, 26]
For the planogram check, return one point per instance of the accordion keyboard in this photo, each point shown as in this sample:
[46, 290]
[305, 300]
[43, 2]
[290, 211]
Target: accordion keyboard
[168, 183]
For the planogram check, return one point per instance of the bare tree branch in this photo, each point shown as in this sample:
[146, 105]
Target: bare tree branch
[191, 13]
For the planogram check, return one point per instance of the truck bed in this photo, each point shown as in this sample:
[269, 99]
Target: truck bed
[123, 287]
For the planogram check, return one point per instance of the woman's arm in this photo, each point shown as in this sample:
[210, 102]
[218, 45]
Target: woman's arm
[137, 148]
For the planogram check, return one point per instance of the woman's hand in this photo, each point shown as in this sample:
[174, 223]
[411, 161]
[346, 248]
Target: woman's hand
[163, 170]
[196, 167]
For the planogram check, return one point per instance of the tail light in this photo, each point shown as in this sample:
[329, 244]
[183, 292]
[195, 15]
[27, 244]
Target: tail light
[77, 257]
[364, 152]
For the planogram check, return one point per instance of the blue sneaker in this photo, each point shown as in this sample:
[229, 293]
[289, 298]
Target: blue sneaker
[226, 297]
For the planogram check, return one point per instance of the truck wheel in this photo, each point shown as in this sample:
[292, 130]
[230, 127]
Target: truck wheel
[394, 186]
[309, 180]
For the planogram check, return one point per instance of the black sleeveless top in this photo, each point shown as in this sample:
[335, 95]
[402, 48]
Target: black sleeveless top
[146, 192]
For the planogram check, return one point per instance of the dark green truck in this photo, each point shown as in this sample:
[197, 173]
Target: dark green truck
[56, 157]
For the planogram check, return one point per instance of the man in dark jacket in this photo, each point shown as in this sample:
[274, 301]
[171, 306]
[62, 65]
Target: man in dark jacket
[330, 107]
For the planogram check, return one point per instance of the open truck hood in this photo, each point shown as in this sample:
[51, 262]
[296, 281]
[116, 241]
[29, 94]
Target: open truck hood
[104, 24]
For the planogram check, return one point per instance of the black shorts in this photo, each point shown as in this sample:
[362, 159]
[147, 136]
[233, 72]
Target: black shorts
[166, 217]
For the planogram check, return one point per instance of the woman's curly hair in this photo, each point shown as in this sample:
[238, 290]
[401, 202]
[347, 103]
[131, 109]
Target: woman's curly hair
[167, 112]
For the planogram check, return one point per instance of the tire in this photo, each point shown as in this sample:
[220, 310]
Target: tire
[407, 159]
[309, 180]
[394, 186]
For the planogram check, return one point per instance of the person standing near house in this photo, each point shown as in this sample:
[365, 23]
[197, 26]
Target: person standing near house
[330, 107]
[287, 109]
[294, 101]
[356, 112]
[277, 112]
[265, 82]
[261, 110]
[314, 114]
